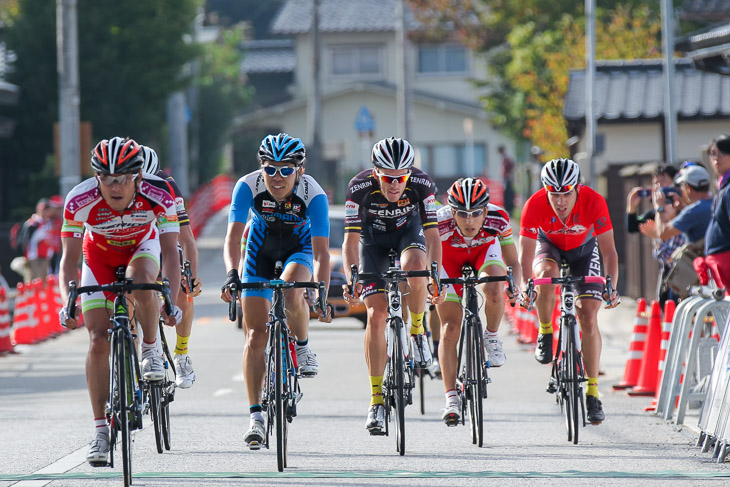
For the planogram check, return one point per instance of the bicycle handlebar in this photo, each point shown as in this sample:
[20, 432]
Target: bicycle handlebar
[606, 281]
[188, 275]
[278, 284]
[118, 287]
[393, 274]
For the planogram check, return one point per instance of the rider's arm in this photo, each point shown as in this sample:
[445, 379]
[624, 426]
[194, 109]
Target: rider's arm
[232, 245]
[69, 266]
[510, 259]
[190, 251]
[527, 255]
[321, 254]
[607, 246]
[170, 262]
[433, 245]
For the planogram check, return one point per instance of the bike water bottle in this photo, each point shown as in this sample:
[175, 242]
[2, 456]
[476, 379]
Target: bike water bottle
[293, 354]
[405, 341]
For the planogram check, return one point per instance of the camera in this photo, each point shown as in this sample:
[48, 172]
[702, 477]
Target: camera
[644, 193]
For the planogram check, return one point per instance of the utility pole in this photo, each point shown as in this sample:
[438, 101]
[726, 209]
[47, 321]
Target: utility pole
[591, 88]
[402, 89]
[670, 113]
[67, 45]
[314, 107]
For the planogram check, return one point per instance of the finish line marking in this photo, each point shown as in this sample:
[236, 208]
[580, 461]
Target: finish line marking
[389, 474]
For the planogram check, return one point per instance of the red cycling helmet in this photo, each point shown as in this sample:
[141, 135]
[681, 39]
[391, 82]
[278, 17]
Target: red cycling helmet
[468, 193]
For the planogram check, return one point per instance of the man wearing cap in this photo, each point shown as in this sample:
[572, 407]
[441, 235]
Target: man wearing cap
[692, 221]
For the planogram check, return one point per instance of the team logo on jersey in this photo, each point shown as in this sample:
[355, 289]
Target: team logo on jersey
[404, 202]
[287, 205]
[430, 204]
[351, 209]
[121, 243]
[268, 204]
[139, 204]
[296, 208]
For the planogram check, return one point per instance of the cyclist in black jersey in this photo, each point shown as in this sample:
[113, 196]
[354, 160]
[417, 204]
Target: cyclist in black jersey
[184, 373]
[391, 206]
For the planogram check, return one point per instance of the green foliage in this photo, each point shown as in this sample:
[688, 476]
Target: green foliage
[131, 55]
[222, 94]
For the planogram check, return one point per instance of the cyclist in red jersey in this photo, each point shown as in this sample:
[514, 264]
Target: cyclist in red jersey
[569, 221]
[184, 373]
[117, 219]
[477, 233]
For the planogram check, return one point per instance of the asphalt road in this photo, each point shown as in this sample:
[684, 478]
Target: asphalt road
[45, 421]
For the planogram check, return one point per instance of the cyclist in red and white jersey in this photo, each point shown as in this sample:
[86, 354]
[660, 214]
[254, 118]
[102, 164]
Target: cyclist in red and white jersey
[118, 219]
[184, 373]
[568, 221]
[477, 233]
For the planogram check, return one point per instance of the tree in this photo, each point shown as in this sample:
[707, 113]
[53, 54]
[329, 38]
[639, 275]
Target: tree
[131, 55]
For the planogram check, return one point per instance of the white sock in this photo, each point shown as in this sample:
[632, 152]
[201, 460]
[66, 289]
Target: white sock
[491, 334]
[100, 426]
[257, 416]
[148, 347]
[451, 395]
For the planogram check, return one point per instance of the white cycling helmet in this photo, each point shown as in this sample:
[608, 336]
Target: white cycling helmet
[151, 161]
[560, 175]
[393, 153]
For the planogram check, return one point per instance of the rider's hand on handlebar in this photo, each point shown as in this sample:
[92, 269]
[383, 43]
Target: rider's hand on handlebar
[321, 315]
[67, 321]
[515, 297]
[526, 301]
[197, 287]
[351, 298]
[231, 278]
[172, 319]
[437, 299]
[615, 299]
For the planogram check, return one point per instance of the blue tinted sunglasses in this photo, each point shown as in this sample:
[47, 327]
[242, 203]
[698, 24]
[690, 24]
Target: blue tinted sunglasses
[285, 171]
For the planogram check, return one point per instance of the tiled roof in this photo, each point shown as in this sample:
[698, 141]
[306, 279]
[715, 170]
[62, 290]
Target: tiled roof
[634, 90]
[268, 56]
[708, 10]
[295, 17]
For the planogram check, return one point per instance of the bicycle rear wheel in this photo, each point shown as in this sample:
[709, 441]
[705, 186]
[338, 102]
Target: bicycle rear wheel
[475, 378]
[126, 390]
[398, 383]
[281, 423]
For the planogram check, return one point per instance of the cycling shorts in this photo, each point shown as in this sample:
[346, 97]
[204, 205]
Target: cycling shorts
[583, 261]
[101, 263]
[453, 259]
[375, 246]
[302, 258]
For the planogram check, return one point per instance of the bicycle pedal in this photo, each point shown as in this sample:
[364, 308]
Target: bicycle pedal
[99, 464]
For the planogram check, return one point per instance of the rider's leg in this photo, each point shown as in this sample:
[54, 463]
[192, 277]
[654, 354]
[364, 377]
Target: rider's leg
[545, 302]
[494, 297]
[147, 308]
[255, 311]
[449, 312]
[97, 359]
[297, 311]
[414, 259]
[375, 345]
[587, 311]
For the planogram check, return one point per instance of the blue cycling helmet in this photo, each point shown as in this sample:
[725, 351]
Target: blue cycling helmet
[282, 148]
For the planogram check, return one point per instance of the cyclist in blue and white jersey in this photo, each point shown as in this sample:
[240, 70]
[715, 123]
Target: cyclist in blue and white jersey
[289, 223]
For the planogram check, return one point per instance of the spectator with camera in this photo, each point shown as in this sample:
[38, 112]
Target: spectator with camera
[663, 177]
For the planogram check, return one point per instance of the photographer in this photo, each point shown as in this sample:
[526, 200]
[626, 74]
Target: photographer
[663, 177]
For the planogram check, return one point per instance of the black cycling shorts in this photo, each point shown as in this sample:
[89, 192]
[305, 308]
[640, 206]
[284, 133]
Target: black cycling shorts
[583, 261]
[375, 247]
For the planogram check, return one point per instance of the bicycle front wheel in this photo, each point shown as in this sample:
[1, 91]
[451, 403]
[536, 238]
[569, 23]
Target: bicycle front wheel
[572, 367]
[125, 400]
[398, 383]
[475, 359]
[280, 406]
[156, 413]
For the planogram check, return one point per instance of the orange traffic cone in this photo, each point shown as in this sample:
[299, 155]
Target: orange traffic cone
[650, 363]
[636, 348]
[23, 324]
[669, 307]
[6, 343]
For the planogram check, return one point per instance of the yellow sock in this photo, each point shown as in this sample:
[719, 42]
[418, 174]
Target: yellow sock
[181, 347]
[546, 328]
[416, 323]
[376, 388]
[592, 389]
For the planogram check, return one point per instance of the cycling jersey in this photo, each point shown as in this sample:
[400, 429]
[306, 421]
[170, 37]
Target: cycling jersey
[151, 208]
[278, 230]
[367, 209]
[170, 185]
[479, 252]
[588, 219]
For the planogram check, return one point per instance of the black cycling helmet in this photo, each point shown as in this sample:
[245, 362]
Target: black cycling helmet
[117, 156]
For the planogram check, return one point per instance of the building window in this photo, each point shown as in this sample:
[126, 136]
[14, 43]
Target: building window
[450, 160]
[442, 59]
[356, 61]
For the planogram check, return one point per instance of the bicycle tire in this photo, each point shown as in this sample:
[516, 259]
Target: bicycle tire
[279, 406]
[165, 418]
[573, 383]
[156, 413]
[125, 393]
[112, 402]
[398, 371]
[476, 381]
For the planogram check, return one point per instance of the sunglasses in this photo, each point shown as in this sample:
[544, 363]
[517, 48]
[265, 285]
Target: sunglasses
[121, 179]
[559, 189]
[470, 214]
[386, 178]
[285, 171]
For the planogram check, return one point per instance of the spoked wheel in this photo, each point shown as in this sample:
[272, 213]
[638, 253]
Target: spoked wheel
[572, 383]
[399, 392]
[156, 413]
[474, 381]
[280, 406]
[126, 392]
[165, 420]
[422, 393]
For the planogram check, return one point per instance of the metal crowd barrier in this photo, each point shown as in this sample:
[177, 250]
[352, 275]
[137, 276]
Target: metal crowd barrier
[691, 351]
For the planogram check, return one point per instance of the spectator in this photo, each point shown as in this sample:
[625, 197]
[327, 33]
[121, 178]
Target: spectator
[717, 240]
[41, 238]
[692, 221]
[508, 170]
[663, 177]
